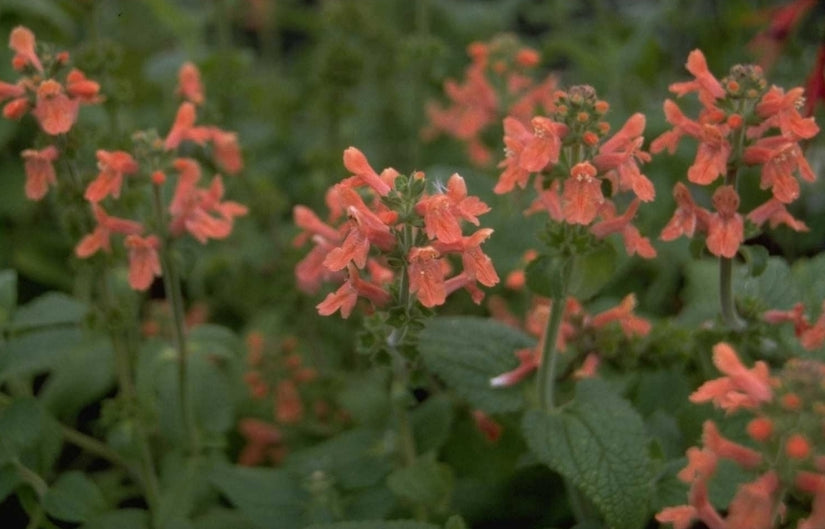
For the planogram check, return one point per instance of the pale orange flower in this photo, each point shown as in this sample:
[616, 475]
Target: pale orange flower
[755, 503]
[82, 88]
[740, 388]
[621, 153]
[528, 362]
[183, 128]
[487, 426]
[426, 276]
[16, 108]
[782, 110]
[681, 516]
[22, 41]
[113, 165]
[726, 227]
[9, 91]
[708, 87]
[443, 212]
[106, 225]
[780, 157]
[582, 196]
[55, 111]
[259, 436]
[516, 136]
[357, 164]
[189, 83]
[726, 449]
[226, 150]
[144, 262]
[544, 146]
[343, 299]
[631, 324]
[687, 218]
[40, 173]
[775, 213]
[634, 243]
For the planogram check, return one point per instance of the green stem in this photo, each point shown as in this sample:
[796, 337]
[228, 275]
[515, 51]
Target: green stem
[95, 447]
[174, 293]
[549, 353]
[728, 304]
[31, 477]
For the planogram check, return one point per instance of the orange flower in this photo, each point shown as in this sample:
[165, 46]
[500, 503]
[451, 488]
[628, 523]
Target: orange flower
[442, 212]
[184, 128]
[701, 465]
[754, 505]
[8, 91]
[774, 212]
[16, 108]
[528, 362]
[681, 516]
[544, 147]
[226, 150]
[725, 227]
[687, 218]
[354, 248]
[487, 426]
[780, 158]
[623, 313]
[711, 155]
[620, 154]
[22, 41]
[39, 171]
[289, 408]
[426, 276]
[781, 110]
[343, 299]
[259, 436]
[144, 262]
[106, 225]
[727, 449]
[740, 388]
[708, 87]
[82, 88]
[633, 241]
[54, 110]
[582, 196]
[516, 137]
[476, 263]
[113, 165]
[357, 164]
[189, 83]
[547, 200]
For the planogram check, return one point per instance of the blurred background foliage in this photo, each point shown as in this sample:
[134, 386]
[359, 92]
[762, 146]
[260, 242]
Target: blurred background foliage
[300, 80]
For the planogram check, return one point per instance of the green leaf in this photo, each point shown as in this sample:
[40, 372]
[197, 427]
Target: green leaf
[215, 340]
[51, 309]
[426, 482]
[431, 422]
[467, 352]
[8, 294]
[375, 524]
[9, 480]
[222, 518]
[591, 271]
[545, 276]
[29, 434]
[773, 287]
[598, 442]
[756, 256]
[37, 351]
[74, 498]
[807, 276]
[268, 498]
[120, 519]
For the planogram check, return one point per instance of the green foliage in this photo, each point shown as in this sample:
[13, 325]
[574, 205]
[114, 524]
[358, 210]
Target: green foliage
[74, 498]
[384, 524]
[467, 352]
[426, 483]
[598, 442]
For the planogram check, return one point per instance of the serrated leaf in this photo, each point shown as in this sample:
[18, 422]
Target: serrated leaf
[50, 309]
[426, 482]
[268, 498]
[376, 524]
[74, 498]
[466, 352]
[8, 294]
[598, 442]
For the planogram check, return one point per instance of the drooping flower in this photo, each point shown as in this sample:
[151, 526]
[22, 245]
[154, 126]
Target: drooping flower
[22, 41]
[189, 83]
[357, 164]
[775, 213]
[40, 173]
[82, 88]
[725, 227]
[582, 196]
[144, 262]
[780, 157]
[633, 241]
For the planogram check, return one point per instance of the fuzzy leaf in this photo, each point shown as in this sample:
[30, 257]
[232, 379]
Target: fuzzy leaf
[37, 351]
[50, 309]
[598, 442]
[467, 352]
[426, 482]
[268, 498]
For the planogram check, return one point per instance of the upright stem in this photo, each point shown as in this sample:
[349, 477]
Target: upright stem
[729, 313]
[549, 353]
[174, 293]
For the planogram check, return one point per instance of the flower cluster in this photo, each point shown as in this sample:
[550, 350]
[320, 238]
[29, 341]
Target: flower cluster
[578, 328]
[383, 227]
[742, 123]
[52, 94]
[785, 456]
[200, 211]
[810, 335]
[498, 82]
[569, 152]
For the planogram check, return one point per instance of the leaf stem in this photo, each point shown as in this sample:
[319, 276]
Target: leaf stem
[549, 353]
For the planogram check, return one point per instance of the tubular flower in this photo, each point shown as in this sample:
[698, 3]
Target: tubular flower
[144, 262]
[621, 153]
[544, 146]
[780, 157]
[183, 128]
[106, 225]
[516, 136]
[633, 241]
[687, 218]
[708, 87]
[357, 164]
[22, 41]
[780, 109]
[40, 172]
[775, 213]
[426, 274]
[113, 165]
[725, 227]
[189, 83]
[443, 212]
[80, 87]
[582, 196]
[740, 388]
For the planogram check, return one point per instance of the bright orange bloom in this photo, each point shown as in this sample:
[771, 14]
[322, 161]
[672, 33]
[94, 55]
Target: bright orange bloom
[22, 41]
[82, 88]
[755, 503]
[106, 225]
[621, 154]
[476, 263]
[544, 146]
[633, 241]
[16, 108]
[687, 218]
[711, 155]
[708, 87]
[528, 362]
[357, 164]
[623, 313]
[39, 171]
[184, 128]
[797, 446]
[588, 368]
[740, 388]
[781, 110]
[727, 449]
[582, 196]
[726, 227]
[113, 165]
[780, 158]
[226, 150]
[760, 429]
[144, 262]
[443, 212]
[343, 299]
[54, 110]
[189, 83]
[426, 276]
[354, 248]
[516, 136]
[701, 465]
[774, 212]
[9, 91]
[681, 516]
